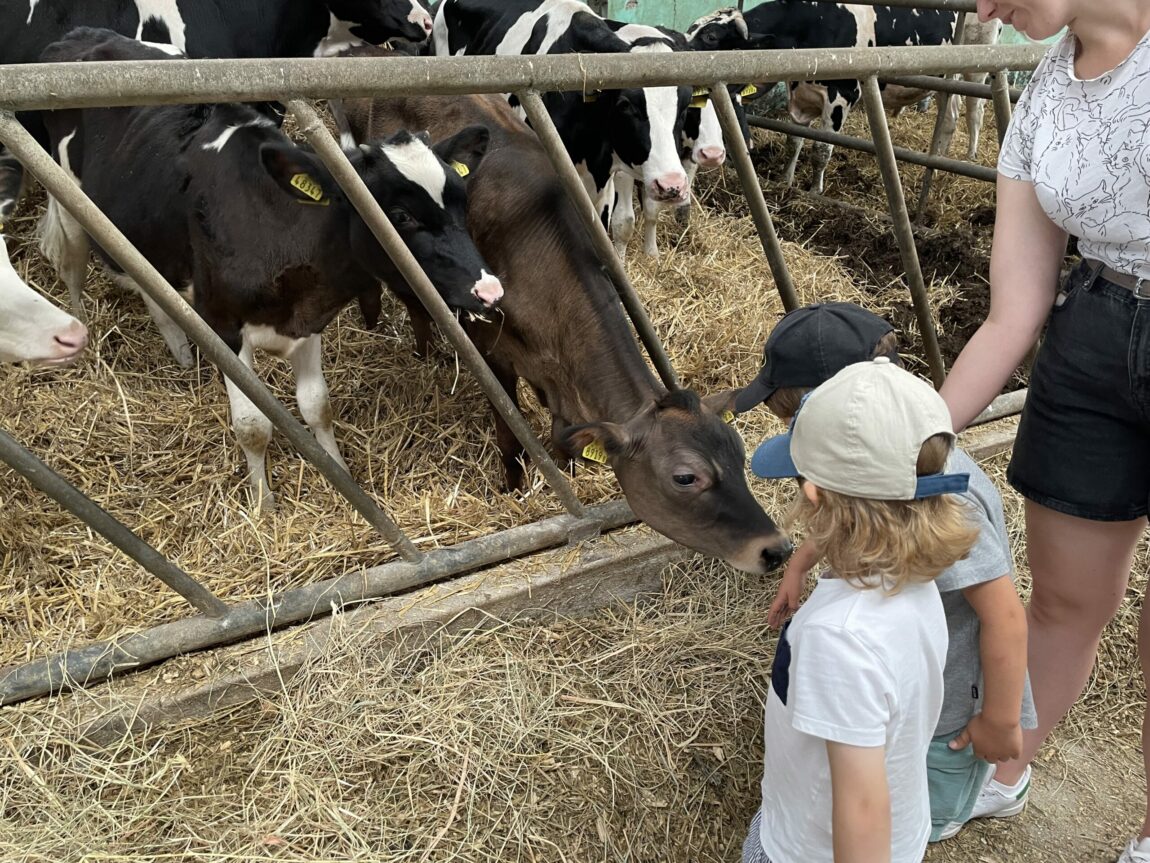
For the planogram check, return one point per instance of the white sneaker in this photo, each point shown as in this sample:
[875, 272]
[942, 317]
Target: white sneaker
[1137, 851]
[996, 800]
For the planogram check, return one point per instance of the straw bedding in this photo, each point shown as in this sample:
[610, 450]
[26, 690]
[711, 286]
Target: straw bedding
[633, 735]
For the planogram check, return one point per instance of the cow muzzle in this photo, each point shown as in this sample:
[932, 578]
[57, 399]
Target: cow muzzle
[67, 345]
[670, 188]
[488, 290]
[711, 157]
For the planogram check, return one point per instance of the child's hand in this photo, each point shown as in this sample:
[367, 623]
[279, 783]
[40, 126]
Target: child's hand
[786, 602]
[790, 594]
[993, 741]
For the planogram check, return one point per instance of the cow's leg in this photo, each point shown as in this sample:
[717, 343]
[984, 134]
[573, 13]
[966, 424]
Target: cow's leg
[254, 433]
[683, 211]
[510, 449]
[821, 158]
[623, 213]
[171, 332]
[794, 148]
[11, 183]
[65, 244]
[651, 209]
[974, 111]
[312, 396]
[420, 324]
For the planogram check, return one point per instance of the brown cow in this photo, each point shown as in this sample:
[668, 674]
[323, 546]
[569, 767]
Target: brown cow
[680, 465]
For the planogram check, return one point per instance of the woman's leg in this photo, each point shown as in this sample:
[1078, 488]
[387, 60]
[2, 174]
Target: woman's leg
[1079, 569]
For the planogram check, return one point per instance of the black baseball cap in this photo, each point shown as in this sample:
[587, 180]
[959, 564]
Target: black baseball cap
[811, 345]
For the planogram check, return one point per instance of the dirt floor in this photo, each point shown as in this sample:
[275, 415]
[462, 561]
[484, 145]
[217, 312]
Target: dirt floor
[630, 736]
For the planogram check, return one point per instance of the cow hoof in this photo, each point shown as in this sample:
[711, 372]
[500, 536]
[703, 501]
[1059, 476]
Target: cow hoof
[184, 357]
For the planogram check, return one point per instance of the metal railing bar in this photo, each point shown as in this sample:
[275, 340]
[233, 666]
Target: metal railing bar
[95, 662]
[749, 178]
[78, 85]
[959, 87]
[943, 5]
[1000, 88]
[556, 150]
[903, 232]
[104, 232]
[108, 526]
[943, 163]
[333, 156]
[1007, 404]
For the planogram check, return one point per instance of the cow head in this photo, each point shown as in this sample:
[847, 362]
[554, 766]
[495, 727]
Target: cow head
[422, 191]
[31, 328]
[702, 134]
[645, 126]
[721, 30]
[682, 468]
[376, 21]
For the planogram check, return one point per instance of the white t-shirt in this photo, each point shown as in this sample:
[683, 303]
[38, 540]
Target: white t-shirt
[1085, 145]
[856, 667]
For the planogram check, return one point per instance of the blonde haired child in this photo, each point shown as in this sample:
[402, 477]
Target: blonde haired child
[856, 685]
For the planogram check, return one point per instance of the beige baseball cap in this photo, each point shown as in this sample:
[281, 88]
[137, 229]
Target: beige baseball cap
[860, 433]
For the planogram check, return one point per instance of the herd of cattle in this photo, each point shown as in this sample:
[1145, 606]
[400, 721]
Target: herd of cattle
[268, 249]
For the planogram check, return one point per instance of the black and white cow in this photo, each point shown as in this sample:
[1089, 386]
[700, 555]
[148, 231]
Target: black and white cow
[203, 28]
[254, 228]
[32, 329]
[635, 131]
[782, 24]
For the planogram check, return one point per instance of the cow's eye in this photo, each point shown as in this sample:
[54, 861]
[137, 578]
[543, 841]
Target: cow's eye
[684, 479]
[401, 219]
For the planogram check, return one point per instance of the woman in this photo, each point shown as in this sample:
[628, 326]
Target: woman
[1076, 160]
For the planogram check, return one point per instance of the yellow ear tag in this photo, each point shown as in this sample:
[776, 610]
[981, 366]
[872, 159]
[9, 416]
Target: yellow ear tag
[728, 416]
[698, 102]
[699, 97]
[309, 187]
[595, 451]
[461, 169]
[749, 90]
[591, 97]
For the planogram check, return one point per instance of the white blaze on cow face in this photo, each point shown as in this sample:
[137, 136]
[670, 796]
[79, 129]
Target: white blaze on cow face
[415, 161]
[709, 150]
[31, 10]
[168, 14]
[662, 173]
[31, 328]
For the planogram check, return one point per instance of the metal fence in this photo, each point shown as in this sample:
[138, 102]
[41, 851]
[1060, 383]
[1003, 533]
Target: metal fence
[297, 80]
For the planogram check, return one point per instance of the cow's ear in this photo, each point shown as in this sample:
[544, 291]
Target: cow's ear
[595, 441]
[464, 150]
[722, 404]
[297, 172]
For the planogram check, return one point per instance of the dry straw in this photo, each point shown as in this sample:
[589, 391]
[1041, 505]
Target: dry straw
[631, 736]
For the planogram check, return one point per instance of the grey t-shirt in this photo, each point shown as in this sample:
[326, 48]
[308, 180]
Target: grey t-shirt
[988, 559]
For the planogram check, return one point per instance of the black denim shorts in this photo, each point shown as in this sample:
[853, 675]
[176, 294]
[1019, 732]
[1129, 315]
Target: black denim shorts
[1083, 445]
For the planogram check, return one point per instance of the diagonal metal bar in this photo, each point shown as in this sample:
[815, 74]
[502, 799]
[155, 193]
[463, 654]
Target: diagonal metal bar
[903, 232]
[360, 197]
[749, 178]
[107, 525]
[104, 232]
[543, 127]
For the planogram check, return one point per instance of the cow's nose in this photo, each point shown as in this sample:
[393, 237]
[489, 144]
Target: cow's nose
[671, 187]
[712, 157]
[427, 25]
[488, 290]
[74, 338]
[776, 554]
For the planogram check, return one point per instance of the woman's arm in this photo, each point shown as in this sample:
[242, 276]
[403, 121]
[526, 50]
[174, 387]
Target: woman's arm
[860, 808]
[1025, 262]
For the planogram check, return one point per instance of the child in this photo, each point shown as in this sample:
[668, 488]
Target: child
[856, 685]
[981, 719]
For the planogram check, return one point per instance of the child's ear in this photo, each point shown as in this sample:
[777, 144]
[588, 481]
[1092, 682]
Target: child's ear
[297, 172]
[594, 441]
[810, 491]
